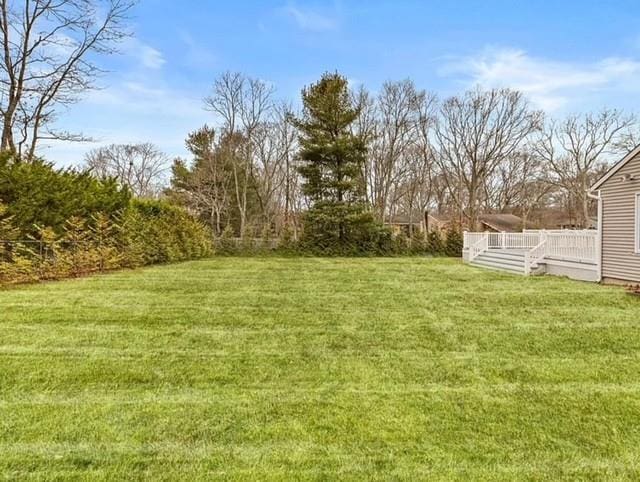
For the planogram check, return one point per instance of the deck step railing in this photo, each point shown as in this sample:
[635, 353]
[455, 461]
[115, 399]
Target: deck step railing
[480, 246]
[535, 256]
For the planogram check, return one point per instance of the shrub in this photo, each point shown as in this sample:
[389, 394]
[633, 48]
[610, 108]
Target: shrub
[435, 243]
[105, 234]
[287, 243]
[359, 235]
[417, 242]
[400, 243]
[225, 244]
[19, 269]
[247, 245]
[453, 243]
[37, 194]
[162, 232]
[385, 244]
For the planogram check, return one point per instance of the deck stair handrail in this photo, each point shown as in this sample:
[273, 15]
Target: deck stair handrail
[535, 255]
[479, 247]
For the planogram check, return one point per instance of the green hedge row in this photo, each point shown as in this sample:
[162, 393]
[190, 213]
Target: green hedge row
[146, 232]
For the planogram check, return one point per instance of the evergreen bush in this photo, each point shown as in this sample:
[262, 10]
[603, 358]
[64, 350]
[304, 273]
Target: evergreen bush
[400, 244]
[417, 243]
[453, 243]
[435, 243]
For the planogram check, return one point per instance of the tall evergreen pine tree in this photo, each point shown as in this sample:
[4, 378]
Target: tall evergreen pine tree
[332, 157]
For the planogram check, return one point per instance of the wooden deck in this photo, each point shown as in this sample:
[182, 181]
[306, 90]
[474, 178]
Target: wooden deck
[559, 253]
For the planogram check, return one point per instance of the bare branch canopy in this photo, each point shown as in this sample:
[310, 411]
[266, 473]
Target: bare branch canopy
[48, 60]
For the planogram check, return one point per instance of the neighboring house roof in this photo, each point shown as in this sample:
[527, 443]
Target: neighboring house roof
[616, 167]
[417, 219]
[502, 222]
[439, 218]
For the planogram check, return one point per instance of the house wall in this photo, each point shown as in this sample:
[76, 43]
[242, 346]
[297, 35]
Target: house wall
[619, 261]
[436, 224]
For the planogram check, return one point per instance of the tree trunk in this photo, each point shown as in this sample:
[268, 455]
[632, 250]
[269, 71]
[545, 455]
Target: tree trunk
[7, 143]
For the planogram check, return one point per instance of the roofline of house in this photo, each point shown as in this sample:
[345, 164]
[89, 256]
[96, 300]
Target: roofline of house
[616, 167]
[492, 226]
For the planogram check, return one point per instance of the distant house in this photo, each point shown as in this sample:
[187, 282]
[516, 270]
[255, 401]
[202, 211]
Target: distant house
[437, 222]
[500, 223]
[422, 223]
[402, 223]
[618, 193]
[567, 223]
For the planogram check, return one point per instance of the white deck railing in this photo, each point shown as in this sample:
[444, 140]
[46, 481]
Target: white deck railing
[567, 245]
[524, 240]
[580, 246]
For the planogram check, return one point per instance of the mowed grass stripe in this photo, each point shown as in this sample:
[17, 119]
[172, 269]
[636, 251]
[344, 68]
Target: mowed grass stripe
[230, 396]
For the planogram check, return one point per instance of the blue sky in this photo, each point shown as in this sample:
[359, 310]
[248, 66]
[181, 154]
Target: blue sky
[567, 56]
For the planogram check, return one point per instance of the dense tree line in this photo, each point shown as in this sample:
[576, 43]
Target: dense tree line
[484, 151]
[36, 194]
[330, 175]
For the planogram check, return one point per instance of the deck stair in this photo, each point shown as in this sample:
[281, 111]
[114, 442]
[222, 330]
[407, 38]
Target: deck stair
[505, 260]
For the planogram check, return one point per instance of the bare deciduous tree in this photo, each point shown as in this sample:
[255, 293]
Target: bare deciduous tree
[476, 133]
[140, 167]
[48, 60]
[365, 127]
[415, 186]
[291, 195]
[274, 177]
[627, 141]
[517, 185]
[243, 104]
[576, 150]
[398, 117]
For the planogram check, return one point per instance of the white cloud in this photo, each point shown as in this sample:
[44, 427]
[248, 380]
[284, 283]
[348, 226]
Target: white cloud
[134, 96]
[311, 20]
[149, 57]
[550, 84]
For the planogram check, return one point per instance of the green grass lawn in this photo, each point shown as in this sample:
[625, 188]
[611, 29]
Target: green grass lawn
[317, 368]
